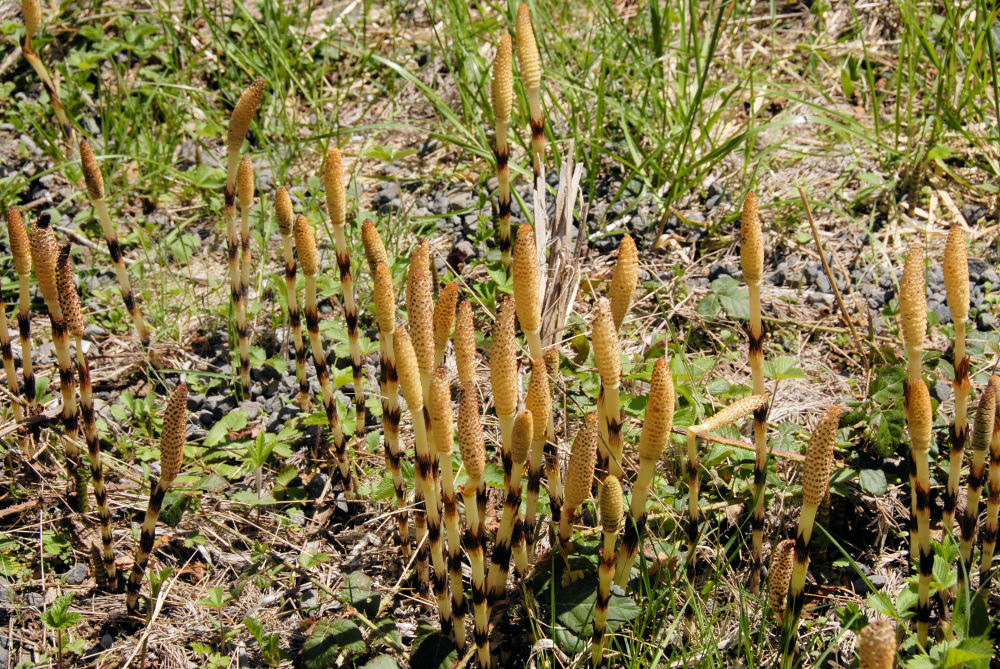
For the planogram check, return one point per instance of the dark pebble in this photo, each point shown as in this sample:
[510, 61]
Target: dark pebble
[194, 402]
[976, 269]
[265, 373]
[315, 486]
[991, 277]
[719, 270]
[34, 599]
[986, 321]
[107, 641]
[206, 418]
[973, 212]
[942, 391]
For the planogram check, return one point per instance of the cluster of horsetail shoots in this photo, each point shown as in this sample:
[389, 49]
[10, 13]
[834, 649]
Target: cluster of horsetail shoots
[539, 402]
[443, 431]
[611, 516]
[336, 206]
[43, 254]
[531, 72]
[752, 260]
[473, 449]
[779, 576]
[503, 372]
[171, 457]
[919, 418]
[653, 440]
[993, 501]
[305, 244]
[239, 123]
[410, 382]
[509, 534]
[815, 481]
[245, 192]
[69, 300]
[877, 645]
[727, 416]
[579, 479]
[20, 249]
[465, 343]
[982, 433]
[607, 352]
[956, 284]
[502, 94]
[285, 216]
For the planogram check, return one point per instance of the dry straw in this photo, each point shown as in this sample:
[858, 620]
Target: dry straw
[611, 516]
[752, 260]
[171, 457]
[956, 284]
[410, 383]
[336, 206]
[655, 435]
[286, 221]
[815, 482]
[473, 449]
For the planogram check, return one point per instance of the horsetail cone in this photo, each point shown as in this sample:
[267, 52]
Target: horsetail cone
[611, 504]
[244, 182]
[69, 299]
[527, 286]
[43, 245]
[779, 576]
[604, 336]
[283, 211]
[819, 458]
[465, 343]
[919, 418]
[503, 370]
[913, 309]
[20, 246]
[470, 433]
[538, 401]
[982, 434]
[420, 312]
[752, 246]
[92, 176]
[502, 89]
[877, 645]
[624, 280]
[439, 408]
[580, 471]
[239, 123]
[172, 438]
[420, 258]
[305, 246]
[374, 248]
[733, 412]
[444, 320]
[956, 274]
[521, 437]
[32, 11]
[655, 435]
[408, 370]
[385, 298]
[527, 50]
[606, 348]
[333, 180]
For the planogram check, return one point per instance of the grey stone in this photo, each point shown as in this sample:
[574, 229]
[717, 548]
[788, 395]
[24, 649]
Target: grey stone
[34, 599]
[194, 402]
[719, 270]
[991, 277]
[973, 213]
[206, 418]
[77, 574]
[986, 321]
[107, 641]
[250, 408]
[943, 312]
[942, 391]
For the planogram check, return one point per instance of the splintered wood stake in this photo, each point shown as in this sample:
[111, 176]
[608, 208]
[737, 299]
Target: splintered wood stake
[653, 440]
[815, 481]
[752, 260]
[286, 221]
[473, 449]
[171, 457]
[336, 206]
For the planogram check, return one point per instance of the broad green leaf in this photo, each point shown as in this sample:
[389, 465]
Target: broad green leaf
[433, 651]
[329, 640]
[782, 367]
[234, 420]
[381, 662]
[873, 481]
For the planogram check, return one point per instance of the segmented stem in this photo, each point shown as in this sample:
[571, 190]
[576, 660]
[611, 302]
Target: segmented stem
[20, 248]
[990, 530]
[956, 282]
[502, 99]
[473, 449]
[539, 402]
[611, 516]
[982, 433]
[513, 469]
[245, 191]
[7, 353]
[286, 217]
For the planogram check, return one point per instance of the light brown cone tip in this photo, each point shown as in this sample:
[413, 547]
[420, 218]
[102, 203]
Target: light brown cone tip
[606, 349]
[243, 113]
[538, 400]
[69, 299]
[43, 249]
[244, 183]
[503, 361]
[20, 246]
[982, 427]
[919, 415]
[752, 246]
[582, 459]
[659, 416]
[32, 11]
[521, 437]
[385, 298]
[611, 504]
[333, 181]
[305, 245]
[877, 645]
[819, 457]
[174, 430]
[527, 285]
[444, 313]
[502, 91]
[912, 299]
[624, 280]
[465, 343]
[372, 241]
[956, 274]
[470, 432]
[283, 211]
[731, 413]
[407, 369]
[420, 313]
[91, 171]
[527, 49]
[780, 575]
[439, 407]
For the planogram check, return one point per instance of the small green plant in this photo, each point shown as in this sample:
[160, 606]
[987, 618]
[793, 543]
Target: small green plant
[58, 618]
[217, 599]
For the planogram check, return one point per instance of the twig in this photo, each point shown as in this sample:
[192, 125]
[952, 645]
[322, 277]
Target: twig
[829, 275]
[739, 444]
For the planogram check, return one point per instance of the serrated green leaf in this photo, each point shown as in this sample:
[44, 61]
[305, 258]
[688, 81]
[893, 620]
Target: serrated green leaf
[328, 640]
